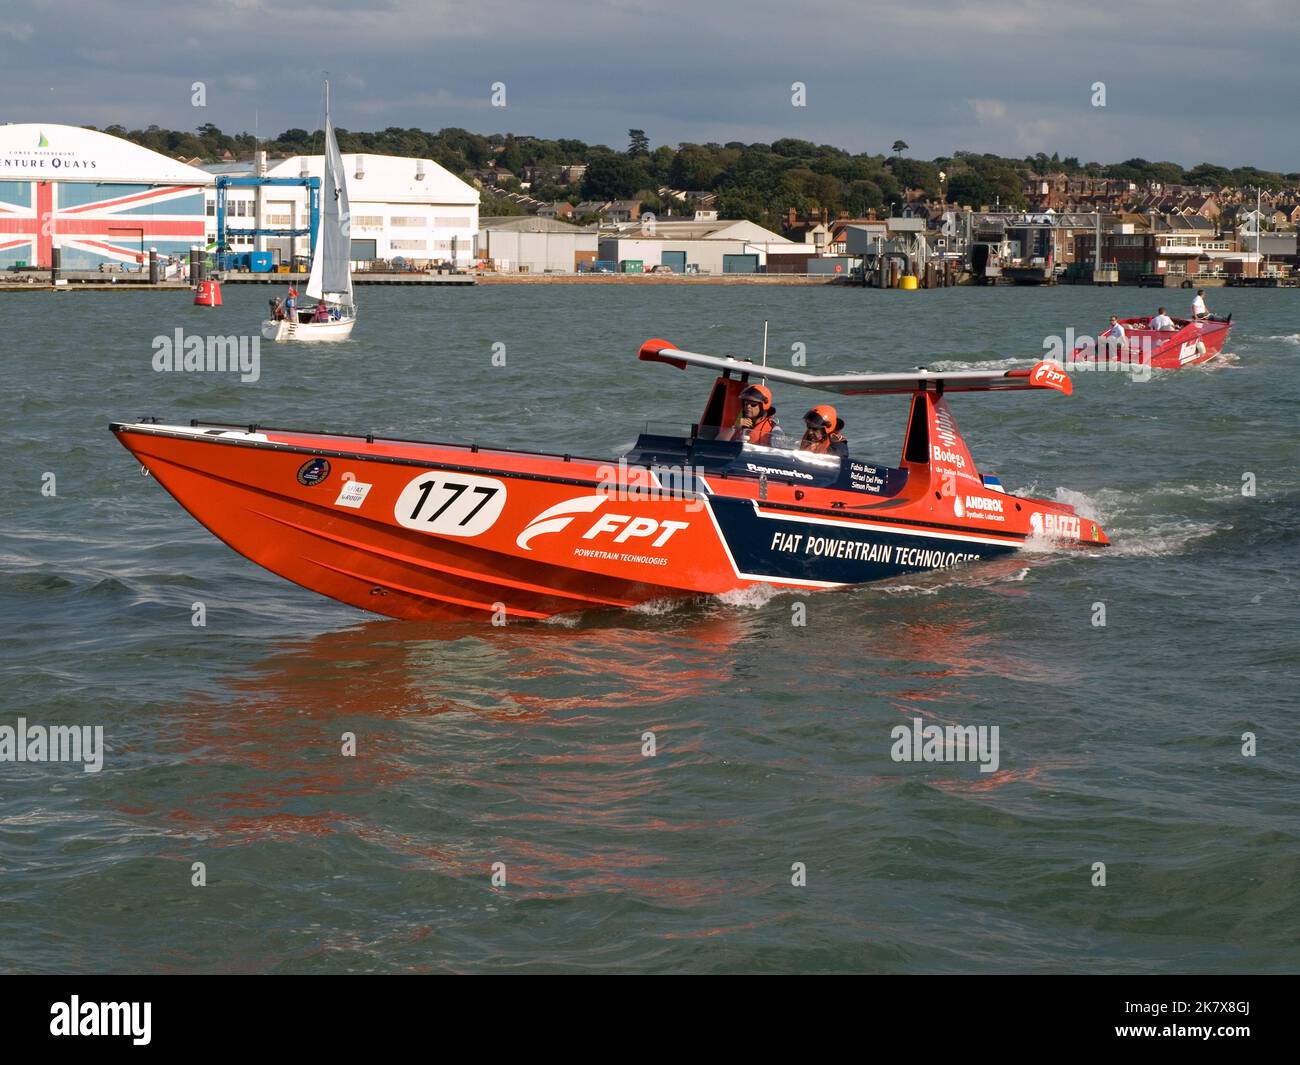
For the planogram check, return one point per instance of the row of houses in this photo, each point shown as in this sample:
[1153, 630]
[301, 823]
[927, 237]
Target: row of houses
[1048, 243]
[1060, 192]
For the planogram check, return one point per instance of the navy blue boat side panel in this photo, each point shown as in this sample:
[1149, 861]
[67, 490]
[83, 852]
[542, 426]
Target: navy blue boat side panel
[795, 549]
[731, 458]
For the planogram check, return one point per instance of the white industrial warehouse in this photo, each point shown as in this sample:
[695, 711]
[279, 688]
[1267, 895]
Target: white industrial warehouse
[527, 244]
[708, 246]
[408, 209]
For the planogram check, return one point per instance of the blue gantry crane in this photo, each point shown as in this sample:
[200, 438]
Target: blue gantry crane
[225, 233]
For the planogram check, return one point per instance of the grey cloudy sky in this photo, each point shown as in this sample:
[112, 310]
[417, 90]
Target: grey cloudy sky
[1185, 80]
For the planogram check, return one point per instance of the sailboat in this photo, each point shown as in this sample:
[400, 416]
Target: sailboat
[330, 280]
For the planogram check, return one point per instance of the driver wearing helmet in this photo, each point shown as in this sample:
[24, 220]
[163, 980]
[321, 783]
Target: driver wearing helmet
[822, 432]
[757, 418]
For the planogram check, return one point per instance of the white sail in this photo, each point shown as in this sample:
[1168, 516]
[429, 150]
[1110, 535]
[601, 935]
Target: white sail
[331, 269]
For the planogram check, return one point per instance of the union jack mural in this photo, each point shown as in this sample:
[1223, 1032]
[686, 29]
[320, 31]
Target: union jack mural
[93, 223]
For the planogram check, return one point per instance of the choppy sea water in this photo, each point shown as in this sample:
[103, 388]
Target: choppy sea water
[1119, 744]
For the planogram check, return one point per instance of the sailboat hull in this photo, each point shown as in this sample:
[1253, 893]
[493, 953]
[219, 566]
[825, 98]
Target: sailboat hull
[308, 332]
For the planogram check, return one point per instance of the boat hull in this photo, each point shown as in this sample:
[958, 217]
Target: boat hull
[284, 331]
[421, 531]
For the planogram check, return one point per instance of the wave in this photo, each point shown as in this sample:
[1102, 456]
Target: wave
[954, 365]
[752, 598]
[1145, 523]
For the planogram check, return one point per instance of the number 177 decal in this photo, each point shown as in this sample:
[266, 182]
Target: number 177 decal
[450, 504]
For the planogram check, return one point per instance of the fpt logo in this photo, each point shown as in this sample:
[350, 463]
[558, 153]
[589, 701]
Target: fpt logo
[623, 528]
[1048, 375]
[557, 518]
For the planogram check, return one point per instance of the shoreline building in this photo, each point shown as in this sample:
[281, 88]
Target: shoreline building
[102, 202]
[96, 199]
[707, 246]
[528, 244]
[402, 208]
[1144, 248]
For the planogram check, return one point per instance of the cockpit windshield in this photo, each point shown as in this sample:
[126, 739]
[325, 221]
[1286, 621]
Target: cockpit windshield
[788, 450]
[779, 441]
[703, 451]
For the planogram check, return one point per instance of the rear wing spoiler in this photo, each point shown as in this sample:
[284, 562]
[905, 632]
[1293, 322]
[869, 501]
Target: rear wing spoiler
[1042, 375]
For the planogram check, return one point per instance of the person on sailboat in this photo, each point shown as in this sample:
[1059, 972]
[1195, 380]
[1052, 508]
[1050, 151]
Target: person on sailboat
[291, 305]
[277, 309]
[321, 313]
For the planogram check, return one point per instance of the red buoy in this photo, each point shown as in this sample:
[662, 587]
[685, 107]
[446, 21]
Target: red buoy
[207, 294]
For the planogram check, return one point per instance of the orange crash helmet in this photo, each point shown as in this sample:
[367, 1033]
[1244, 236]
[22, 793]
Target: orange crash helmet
[823, 416]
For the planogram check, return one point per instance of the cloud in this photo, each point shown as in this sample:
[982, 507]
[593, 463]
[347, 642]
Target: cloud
[1007, 76]
[987, 111]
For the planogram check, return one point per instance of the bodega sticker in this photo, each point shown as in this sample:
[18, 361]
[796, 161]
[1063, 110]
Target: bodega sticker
[313, 472]
[352, 494]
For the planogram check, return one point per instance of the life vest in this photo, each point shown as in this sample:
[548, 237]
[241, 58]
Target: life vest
[760, 432]
[829, 444]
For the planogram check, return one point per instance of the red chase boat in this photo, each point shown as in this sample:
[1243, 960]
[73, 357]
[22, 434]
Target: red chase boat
[421, 530]
[1192, 341]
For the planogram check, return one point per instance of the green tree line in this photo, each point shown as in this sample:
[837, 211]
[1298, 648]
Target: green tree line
[759, 182]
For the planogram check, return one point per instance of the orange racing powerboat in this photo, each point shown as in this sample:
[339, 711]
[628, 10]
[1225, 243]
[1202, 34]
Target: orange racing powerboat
[414, 529]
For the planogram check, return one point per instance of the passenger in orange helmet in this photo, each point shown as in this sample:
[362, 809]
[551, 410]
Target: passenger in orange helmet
[757, 418]
[822, 432]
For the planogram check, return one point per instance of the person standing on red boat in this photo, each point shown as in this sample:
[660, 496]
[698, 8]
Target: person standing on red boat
[821, 436]
[1199, 310]
[757, 419]
[1113, 341]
